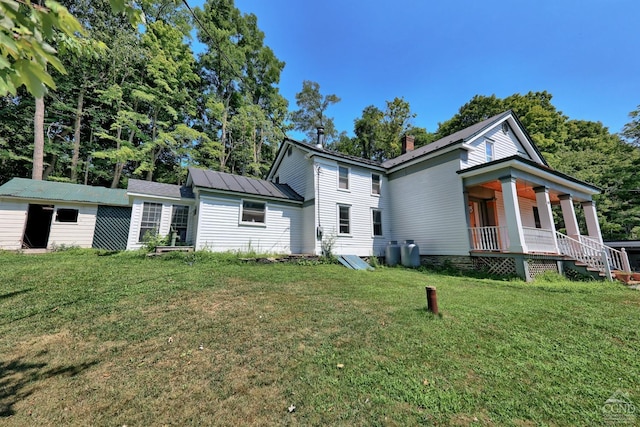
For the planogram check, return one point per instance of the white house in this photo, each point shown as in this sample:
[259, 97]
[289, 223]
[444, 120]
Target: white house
[479, 198]
[45, 214]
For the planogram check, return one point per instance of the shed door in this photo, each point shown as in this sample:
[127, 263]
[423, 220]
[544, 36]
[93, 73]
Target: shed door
[36, 233]
[112, 228]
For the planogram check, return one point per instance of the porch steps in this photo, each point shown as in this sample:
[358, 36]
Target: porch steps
[583, 268]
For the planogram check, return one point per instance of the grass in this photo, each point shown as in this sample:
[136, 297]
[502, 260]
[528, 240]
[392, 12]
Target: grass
[205, 339]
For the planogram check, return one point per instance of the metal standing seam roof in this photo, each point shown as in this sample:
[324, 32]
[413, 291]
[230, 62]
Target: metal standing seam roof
[241, 184]
[159, 189]
[23, 188]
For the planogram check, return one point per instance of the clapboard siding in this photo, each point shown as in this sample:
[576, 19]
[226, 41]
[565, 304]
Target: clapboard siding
[427, 205]
[308, 231]
[526, 211]
[165, 220]
[504, 145]
[219, 227]
[360, 241]
[13, 216]
[73, 233]
[296, 171]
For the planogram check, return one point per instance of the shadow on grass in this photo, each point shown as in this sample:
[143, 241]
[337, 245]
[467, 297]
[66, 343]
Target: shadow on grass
[18, 380]
[15, 293]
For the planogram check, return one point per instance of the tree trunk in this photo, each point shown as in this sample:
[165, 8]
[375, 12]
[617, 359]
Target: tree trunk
[118, 168]
[154, 155]
[38, 140]
[76, 137]
[50, 167]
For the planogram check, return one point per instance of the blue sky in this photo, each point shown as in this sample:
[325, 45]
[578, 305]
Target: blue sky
[438, 55]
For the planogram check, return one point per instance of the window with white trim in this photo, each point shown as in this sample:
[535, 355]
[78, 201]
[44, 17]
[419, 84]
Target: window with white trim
[150, 222]
[344, 219]
[376, 218]
[253, 212]
[375, 183]
[180, 221]
[343, 177]
[488, 150]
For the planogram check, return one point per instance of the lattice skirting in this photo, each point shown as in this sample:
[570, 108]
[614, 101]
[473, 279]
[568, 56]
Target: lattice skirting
[502, 266]
[540, 266]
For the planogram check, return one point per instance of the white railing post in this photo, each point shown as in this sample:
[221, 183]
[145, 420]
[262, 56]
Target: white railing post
[607, 267]
[625, 260]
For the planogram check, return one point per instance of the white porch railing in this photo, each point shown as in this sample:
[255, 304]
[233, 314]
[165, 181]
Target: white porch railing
[489, 238]
[539, 240]
[593, 253]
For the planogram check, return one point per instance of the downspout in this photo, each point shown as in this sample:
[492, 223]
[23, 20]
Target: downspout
[319, 230]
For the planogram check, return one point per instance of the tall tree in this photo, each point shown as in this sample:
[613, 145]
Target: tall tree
[631, 131]
[311, 113]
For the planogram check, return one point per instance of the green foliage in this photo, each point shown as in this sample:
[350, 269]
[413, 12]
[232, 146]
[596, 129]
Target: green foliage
[152, 240]
[311, 113]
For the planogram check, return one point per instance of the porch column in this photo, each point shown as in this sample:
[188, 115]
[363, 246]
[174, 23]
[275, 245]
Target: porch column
[546, 214]
[569, 216]
[512, 214]
[593, 225]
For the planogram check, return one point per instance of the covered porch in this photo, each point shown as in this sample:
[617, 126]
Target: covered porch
[509, 205]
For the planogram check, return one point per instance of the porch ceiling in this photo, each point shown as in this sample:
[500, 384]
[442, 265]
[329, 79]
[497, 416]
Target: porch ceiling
[528, 175]
[524, 188]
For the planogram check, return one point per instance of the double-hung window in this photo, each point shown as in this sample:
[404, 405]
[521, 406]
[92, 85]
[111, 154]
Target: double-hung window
[150, 223]
[343, 177]
[344, 219]
[488, 150]
[375, 184]
[376, 218]
[253, 212]
[180, 221]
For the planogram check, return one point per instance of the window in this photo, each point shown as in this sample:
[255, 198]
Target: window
[536, 217]
[253, 212]
[151, 213]
[180, 221]
[67, 215]
[289, 151]
[488, 149]
[343, 177]
[375, 183]
[344, 219]
[377, 222]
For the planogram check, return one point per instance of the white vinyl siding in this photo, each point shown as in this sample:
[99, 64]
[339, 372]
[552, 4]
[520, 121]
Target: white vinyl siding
[219, 230]
[297, 172]
[13, 217]
[427, 205]
[526, 211]
[79, 233]
[504, 145]
[166, 216]
[359, 241]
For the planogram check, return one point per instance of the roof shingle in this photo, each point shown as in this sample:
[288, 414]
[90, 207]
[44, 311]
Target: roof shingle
[63, 191]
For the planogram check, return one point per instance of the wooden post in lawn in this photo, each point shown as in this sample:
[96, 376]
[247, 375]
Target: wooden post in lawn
[432, 299]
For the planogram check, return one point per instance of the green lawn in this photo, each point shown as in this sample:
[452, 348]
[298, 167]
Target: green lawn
[203, 339]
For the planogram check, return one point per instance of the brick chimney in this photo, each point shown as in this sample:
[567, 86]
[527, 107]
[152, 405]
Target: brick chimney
[407, 143]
